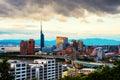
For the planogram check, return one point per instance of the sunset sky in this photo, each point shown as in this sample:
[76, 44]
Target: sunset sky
[20, 19]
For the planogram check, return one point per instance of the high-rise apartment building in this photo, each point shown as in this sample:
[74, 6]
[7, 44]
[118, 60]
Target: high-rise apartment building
[42, 69]
[23, 47]
[31, 46]
[27, 47]
[80, 45]
[61, 43]
[77, 45]
[74, 44]
[19, 70]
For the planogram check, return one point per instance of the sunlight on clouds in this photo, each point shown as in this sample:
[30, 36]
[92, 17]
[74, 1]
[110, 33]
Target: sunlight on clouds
[71, 18]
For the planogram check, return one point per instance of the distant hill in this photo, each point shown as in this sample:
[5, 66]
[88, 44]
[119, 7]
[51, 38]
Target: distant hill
[89, 41]
[98, 41]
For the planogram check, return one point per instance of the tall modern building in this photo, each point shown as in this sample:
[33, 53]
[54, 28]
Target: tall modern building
[18, 69]
[61, 43]
[41, 38]
[31, 46]
[74, 44]
[23, 47]
[42, 69]
[27, 47]
[80, 45]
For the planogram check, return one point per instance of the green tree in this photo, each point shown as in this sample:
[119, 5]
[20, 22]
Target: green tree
[5, 70]
[34, 79]
[103, 73]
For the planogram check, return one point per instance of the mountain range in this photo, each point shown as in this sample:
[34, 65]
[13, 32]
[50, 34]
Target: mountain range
[88, 41]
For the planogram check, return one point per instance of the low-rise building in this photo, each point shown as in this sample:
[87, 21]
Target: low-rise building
[86, 70]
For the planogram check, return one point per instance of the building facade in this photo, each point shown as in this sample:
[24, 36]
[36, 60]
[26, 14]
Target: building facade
[61, 43]
[31, 46]
[23, 47]
[19, 70]
[80, 45]
[42, 69]
[27, 47]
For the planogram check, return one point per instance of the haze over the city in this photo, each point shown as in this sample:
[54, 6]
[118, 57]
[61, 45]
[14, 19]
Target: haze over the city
[20, 19]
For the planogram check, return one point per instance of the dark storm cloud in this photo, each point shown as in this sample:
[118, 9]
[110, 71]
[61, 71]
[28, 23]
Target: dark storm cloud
[74, 8]
[19, 4]
[109, 6]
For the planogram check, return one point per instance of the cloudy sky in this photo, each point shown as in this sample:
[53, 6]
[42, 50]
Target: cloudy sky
[20, 19]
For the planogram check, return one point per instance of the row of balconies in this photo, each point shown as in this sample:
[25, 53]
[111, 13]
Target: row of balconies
[49, 70]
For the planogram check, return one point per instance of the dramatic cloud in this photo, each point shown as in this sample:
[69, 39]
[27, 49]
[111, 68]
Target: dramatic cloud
[82, 18]
[47, 9]
[100, 20]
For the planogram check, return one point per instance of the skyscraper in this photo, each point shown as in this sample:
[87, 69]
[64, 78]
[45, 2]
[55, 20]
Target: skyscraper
[23, 47]
[61, 43]
[41, 38]
[80, 45]
[27, 47]
[74, 44]
[31, 46]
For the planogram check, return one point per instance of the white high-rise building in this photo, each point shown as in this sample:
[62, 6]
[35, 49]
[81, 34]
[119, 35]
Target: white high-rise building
[19, 70]
[42, 69]
[98, 52]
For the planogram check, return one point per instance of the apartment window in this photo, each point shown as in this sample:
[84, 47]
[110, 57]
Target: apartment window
[23, 71]
[23, 68]
[23, 64]
[53, 73]
[49, 65]
[53, 67]
[23, 75]
[18, 65]
[48, 61]
[52, 61]
[17, 69]
[18, 76]
[23, 78]
[17, 72]
[49, 68]
[52, 64]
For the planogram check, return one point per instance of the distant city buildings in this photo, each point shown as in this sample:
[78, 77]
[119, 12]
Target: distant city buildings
[61, 43]
[78, 46]
[48, 49]
[10, 49]
[73, 50]
[27, 47]
[74, 44]
[42, 69]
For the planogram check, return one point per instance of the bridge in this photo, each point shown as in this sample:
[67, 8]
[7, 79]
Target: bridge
[43, 56]
[92, 64]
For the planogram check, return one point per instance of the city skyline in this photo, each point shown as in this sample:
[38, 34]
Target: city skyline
[74, 19]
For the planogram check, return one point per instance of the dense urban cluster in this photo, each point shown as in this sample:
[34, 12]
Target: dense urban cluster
[67, 60]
